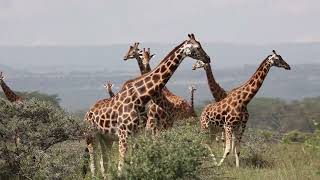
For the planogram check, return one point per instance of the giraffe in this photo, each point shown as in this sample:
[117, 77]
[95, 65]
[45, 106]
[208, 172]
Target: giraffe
[108, 87]
[180, 107]
[230, 112]
[11, 96]
[143, 59]
[166, 108]
[118, 117]
[217, 91]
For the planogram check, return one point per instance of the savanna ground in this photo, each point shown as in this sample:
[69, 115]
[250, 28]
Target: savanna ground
[51, 146]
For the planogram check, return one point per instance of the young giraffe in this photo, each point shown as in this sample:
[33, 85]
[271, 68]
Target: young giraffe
[11, 96]
[230, 112]
[119, 115]
[108, 87]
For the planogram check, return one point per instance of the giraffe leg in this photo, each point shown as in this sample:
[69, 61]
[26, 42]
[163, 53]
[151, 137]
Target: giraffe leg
[240, 132]
[105, 146]
[123, 136]
[227, 149]
[151, 124]
[223, 139]
[90, 146]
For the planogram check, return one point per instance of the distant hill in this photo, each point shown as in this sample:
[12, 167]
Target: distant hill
[95, 58]
[77, 74]
[80, 89]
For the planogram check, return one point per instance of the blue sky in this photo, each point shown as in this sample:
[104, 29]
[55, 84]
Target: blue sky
[106, 22]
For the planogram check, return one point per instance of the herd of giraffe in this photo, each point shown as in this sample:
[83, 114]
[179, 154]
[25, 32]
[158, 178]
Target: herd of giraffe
[146, 103]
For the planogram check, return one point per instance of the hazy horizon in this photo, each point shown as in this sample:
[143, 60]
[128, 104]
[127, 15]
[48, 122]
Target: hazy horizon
[98, 22]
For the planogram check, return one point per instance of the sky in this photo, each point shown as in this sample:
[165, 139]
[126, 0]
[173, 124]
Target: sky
[107, 22]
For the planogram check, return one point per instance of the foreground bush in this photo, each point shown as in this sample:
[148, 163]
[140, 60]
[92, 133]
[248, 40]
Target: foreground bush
[27, 134]
[171, 155]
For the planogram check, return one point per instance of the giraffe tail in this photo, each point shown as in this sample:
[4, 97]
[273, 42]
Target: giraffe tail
[85, 159]
[86, 153]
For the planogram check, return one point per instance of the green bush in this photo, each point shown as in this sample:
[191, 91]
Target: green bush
[173, 154]
[28, 132]
[255, 149]
[314, 140]
[53, 98]
[295, 137]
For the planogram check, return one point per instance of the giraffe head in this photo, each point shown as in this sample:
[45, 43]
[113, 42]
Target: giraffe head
[276, 60]
[192, 89]
[109, 85]
[133, 52]
[146, 56]
[199, 64]
[193, 49]
[2, 77]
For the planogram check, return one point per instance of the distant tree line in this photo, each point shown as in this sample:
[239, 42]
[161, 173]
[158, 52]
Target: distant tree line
[279, 115]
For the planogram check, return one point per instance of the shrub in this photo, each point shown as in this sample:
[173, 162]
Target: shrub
[27, 134]
[314, 140]
[255, 150]
[173, 154]
[294, 137]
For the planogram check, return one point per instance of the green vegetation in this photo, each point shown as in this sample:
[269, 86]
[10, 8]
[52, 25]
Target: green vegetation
[39, 140]
[174, 154]
[28, 135]
[53, 98]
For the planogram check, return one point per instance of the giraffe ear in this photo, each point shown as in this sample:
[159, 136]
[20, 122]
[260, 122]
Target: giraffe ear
[192, 36]
[152, 55]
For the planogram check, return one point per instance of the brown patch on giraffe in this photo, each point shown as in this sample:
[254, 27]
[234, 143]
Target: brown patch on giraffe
[149, 85]
[139, 83]
[224, 106]
[172, 56]
[244, 94]
[259, 83]
[166, 75]
[142, 90]
[127, 100]
[147, 79]
[163, 69]
[156, 78]
[172, 67]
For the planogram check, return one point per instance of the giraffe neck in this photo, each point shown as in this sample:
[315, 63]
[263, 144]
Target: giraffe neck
[156, 79]
[252, 86]
[143, 69]
[11, 96]
[111, 94]
[192, 100]
[217, 91]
